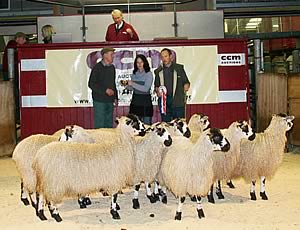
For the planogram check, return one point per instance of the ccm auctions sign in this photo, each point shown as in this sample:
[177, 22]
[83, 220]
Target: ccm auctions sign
[68, 71]
[233, 59]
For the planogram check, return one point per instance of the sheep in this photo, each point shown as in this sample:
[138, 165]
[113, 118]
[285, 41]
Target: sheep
[26, 150]
[177, 127]
[224, 164]
[187, 168]
[197, 124]
[148, 153]
[65, 170]
[261, 157]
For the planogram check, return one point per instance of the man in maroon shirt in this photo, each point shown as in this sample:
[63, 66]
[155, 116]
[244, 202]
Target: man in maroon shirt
[20, 39]
[120, 30]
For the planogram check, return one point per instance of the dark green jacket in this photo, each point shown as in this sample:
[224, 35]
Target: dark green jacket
[101, 78]
[179, 80]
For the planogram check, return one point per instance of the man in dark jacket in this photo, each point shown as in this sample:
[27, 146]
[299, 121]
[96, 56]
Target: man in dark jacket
[172, 77]
[104, 92]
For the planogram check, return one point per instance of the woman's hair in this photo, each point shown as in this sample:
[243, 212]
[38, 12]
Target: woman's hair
[47, 31]
[145, 61]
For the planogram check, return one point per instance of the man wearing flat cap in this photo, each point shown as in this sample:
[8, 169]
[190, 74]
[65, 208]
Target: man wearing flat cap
[104, 92]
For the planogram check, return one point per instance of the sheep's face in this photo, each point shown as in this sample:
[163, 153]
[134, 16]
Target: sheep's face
[245, 130]
[181, 127]
[163, 135]
[284, 120]
[67, 135]
[219, 142]
[202, 120]
[133, 125]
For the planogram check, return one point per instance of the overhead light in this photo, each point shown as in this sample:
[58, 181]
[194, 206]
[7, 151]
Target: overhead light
[276, 26]
[258, 20]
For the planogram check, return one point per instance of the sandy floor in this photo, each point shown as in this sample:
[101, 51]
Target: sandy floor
[281, 211]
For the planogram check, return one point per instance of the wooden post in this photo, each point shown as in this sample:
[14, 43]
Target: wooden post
[7, 118]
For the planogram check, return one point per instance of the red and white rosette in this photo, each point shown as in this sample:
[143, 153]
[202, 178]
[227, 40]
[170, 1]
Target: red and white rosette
[163, 103]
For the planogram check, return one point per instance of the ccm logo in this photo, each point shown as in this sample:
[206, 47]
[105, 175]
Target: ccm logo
[231, 59]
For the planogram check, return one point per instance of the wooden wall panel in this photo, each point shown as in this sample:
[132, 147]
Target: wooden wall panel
[271, 91]
[7, 118]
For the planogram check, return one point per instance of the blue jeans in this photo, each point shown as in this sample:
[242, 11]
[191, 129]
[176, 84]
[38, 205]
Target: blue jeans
[146, 120]
[103, 114]
[172, 111]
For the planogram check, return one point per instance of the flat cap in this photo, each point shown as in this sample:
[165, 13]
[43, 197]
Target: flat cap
[106, 50]
[20, 35]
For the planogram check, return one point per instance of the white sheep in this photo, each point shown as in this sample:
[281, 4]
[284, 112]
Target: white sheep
[68, 169]
[26, 150]
[178, 127]
[224, 164]
[187, 168]
[261, 157]
[148, 154]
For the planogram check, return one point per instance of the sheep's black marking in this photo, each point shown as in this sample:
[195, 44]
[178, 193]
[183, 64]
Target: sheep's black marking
[281, 115]
[216, 136]
[160, 131]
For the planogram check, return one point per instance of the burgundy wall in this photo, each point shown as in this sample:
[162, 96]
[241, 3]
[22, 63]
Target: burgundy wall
[48, 120]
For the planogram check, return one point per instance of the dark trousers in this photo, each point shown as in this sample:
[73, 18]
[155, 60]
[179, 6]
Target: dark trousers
[173, 112]
[103, 114]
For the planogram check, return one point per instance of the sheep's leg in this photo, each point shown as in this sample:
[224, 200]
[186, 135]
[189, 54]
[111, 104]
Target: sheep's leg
[230, 184]
[149, 195]
[33, 199]
[54, 212]
[81, 202]
[263, 194]
[193, 198]
[135, 200]
[163, 194]
[199, 207]
[219, 191]
[160, 192]
[113, 210]
[24, 195]
[40, 207]
[179, 207]
[87, 200]
[252, 190]
[156, 190]
[210, 195]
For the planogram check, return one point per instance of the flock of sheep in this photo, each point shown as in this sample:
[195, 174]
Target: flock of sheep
[185, 159]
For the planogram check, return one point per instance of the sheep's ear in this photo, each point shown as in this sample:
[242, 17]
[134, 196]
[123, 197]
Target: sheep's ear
[205, 117]
[117, 121]
[290, 118]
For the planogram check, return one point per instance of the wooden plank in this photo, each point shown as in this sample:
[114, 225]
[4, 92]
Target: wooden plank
[294, 109]
[294, 86]
[271, 92]
[7, 118]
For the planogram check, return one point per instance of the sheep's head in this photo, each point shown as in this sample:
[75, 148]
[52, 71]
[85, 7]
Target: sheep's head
[132, 124]
[283, 120]
[67, 135]
[75, 133]
[245, 130]
[181, 127]
[218, 141]
[199, 120]
[162, 133]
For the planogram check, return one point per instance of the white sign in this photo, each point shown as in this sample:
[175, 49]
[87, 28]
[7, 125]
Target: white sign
[233, 59]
